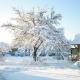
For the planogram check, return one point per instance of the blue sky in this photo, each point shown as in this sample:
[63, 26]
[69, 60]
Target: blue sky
[70, 10]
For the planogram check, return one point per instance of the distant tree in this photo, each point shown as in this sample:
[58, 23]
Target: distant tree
[13, 50]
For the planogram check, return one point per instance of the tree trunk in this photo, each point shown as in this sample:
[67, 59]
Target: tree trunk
[36, 47]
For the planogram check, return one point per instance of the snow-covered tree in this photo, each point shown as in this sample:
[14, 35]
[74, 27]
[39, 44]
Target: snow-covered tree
[37, 28]
[76, 39]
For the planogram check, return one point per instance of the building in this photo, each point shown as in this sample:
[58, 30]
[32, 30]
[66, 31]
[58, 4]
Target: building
[75, 49]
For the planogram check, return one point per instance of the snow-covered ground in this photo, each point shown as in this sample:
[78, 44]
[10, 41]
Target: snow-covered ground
[24, 68]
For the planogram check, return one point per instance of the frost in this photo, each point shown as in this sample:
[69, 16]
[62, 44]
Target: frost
[36, 33]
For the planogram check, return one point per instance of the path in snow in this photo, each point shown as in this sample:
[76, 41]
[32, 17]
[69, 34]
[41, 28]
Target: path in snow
[22, 76]
[39, 73]
[2, 77]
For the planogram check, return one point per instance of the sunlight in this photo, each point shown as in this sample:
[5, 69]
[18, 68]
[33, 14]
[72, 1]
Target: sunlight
[6, 36]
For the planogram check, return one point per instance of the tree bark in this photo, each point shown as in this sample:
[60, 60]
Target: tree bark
[36, 47]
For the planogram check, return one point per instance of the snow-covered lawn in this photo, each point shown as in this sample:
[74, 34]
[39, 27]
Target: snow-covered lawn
[23, 68]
